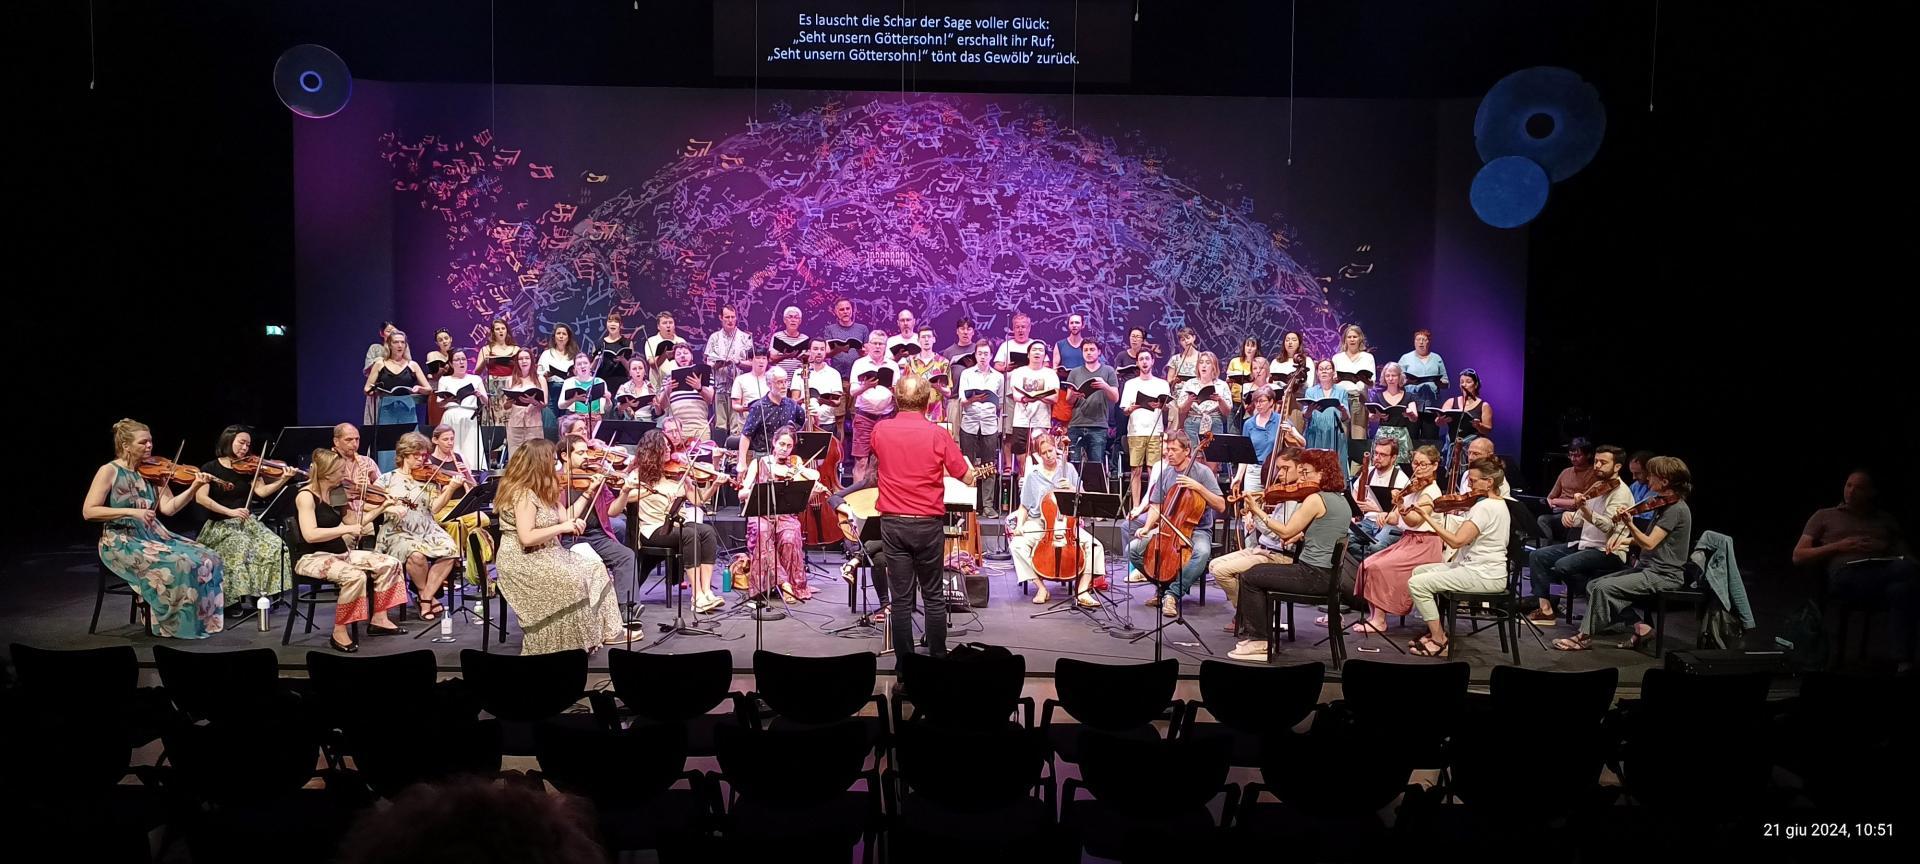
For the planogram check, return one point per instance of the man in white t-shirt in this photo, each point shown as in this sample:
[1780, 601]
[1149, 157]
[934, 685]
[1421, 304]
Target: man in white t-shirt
[820, 387]
[1144, 424]
[1033, 389]
[1588, 557]
[747, 387]
[1481, 565]
[980, 417]
[1478, 449]
[657, 361]
[872, 396]
[1383, 470]
[1003, 362]
[906, 335]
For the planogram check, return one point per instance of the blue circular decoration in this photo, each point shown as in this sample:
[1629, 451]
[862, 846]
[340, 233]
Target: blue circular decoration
[1547, 114]
[1509, 191]
[312, 81]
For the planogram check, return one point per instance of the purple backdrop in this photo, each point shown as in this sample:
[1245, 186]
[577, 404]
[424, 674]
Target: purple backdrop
[430, 205]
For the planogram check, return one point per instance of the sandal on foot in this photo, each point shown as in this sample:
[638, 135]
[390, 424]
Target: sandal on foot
[1573, 643]
[1363, 627]
[1426, 647]
[1635, 640]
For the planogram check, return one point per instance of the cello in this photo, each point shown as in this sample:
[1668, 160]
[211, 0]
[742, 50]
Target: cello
[1171, 546]
[1053, 559]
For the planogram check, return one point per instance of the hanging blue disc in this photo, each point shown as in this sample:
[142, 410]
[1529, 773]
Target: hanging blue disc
[1508, 192]
[1547, 114]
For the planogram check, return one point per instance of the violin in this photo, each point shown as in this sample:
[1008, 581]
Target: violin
[1411, 491]
[269, 468]
[1601, 487]
[1650, 505]
[1460, 503]
[433, 474]
[368, 493]
[158, 470]
[1277, 493]
[581, 481]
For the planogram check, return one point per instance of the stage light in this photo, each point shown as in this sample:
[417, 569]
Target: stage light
[276, 329]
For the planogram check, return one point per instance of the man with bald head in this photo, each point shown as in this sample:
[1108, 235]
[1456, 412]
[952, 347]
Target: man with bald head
[1478, 449]
[913, 458]
[767, 415]
[361, 469]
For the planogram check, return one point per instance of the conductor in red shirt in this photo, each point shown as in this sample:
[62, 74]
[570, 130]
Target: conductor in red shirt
[914, 458]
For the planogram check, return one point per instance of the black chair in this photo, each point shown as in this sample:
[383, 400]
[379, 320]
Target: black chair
[791, 794]
[968, 794]
[1848, 737]
[1837, 615]
[1503, 608]
[674, 689]
[1251, 704]
[520, 691]
[111, 583]
[1689, 598]
[977, 693]
[629, 776]
[1518, 788]
[1331, 784]
[81, 713]
[1381, 696]
[1150, 797]
[817, 691]
[360, 697]
[657, 556]
[1120, 699]
[236, 783]
[1277, 600]
[223, 686]
[1662, 762]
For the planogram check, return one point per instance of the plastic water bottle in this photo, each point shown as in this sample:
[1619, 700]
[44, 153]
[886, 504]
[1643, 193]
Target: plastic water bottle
[265, 606]
[726, 578]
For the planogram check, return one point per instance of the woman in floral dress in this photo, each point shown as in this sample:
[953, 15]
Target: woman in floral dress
[178, 579]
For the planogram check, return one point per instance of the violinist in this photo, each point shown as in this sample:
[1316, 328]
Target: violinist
[411, 533]
[249, 550]
[1383, 575]
[1379, 524]
[1185, 471]
[178, 579]
[658, 521]
[444, 463]
[1280, 470]
[361, 470]
[1481, 536]
[774, 541]
[325, 543]
[446, 457]
[1580, 561]
[1481, 448]
[1317, 525]
[565, 602]
[1030, 528]
[1663, 558]
[592, 495]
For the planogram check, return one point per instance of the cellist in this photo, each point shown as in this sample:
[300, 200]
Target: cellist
[1189, 477]
[1039, 544]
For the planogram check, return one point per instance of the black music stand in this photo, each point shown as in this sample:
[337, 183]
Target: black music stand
[1093, 476]
[869, 532]
[477, 499]
[1091, 506]
[770, 499]
[811, 445]
[1230, 450]
[624, 431]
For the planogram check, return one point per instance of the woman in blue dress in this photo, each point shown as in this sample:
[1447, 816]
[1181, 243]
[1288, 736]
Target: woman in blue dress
[1326, 424]
[397, 382]
[178, 579]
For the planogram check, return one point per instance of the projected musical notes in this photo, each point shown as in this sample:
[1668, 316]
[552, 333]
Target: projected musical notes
[947, 205]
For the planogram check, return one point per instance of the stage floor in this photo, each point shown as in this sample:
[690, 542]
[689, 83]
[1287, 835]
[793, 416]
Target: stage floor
[47, 598]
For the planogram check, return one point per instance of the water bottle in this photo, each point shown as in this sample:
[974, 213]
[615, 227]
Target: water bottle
[265, 606]
[726, 578]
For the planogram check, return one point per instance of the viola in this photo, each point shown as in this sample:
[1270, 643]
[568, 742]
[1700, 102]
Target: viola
[1650, 505]
[269, 468]
[159, 470]
[1171, 545]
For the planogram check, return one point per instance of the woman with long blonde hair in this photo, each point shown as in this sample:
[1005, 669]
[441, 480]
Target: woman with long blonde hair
[564, 600]
[178, 579]
[325, 538]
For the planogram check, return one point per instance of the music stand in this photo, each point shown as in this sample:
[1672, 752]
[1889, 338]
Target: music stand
[1093, 476]
[869, 532]
[767, 500]
[1091, 506]
[479, 498]
[624, 431]
[811, 445]
[303, 440]
[1230, 450]
[493, 440]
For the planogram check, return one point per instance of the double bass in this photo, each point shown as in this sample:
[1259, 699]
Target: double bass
[1171, 546]
[819, 525]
